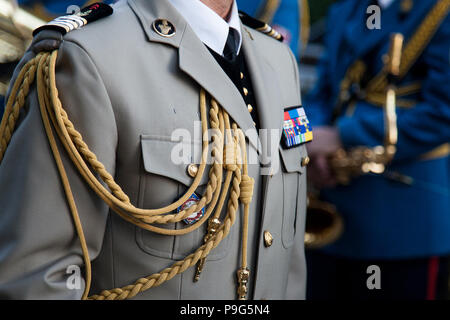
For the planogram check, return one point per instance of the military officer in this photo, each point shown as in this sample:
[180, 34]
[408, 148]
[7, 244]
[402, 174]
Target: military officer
[398, 221]
[88, 179]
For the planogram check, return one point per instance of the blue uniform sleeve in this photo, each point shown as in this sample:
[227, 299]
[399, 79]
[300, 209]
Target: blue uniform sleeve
[427, 124]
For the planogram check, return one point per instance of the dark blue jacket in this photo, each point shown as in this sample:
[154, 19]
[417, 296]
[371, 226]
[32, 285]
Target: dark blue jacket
[386, 218]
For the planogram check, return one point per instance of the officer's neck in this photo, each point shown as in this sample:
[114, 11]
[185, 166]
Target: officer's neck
[221, 7]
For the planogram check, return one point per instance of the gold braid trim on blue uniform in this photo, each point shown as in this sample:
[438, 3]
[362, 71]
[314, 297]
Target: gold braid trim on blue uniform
[440, 152]
[375, 91]
[412, 51]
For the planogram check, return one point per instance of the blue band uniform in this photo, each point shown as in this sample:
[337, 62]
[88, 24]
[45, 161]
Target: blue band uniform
[296, 127]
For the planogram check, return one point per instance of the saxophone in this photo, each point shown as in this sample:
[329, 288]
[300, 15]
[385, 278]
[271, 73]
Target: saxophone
[324, 224]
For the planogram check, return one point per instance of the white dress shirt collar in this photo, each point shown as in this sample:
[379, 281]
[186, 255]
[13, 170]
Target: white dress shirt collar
[211, 29]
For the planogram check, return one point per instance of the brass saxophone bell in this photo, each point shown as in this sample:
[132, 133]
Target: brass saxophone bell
[324, 225]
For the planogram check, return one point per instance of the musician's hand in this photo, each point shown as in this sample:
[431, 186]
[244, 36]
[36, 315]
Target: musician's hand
[326, 141]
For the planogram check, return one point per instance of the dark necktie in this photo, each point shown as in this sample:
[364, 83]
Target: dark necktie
[230, 50]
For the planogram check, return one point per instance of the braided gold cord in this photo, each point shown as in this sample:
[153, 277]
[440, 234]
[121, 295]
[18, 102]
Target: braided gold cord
[42, 78]
[87, 164]
[79, 150]
[18, 94]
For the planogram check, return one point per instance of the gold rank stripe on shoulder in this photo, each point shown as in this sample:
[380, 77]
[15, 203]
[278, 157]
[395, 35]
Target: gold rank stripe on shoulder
[260, 26]
[68, 23]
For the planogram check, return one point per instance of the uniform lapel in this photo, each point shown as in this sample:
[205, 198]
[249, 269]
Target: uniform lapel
[270, 111]
[196, 60]
[265, 86]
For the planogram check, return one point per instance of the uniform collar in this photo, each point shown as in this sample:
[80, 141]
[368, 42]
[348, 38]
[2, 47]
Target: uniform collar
[211, 29]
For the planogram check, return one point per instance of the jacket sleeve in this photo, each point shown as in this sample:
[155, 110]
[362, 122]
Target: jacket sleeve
[427, 124]
[39, 247]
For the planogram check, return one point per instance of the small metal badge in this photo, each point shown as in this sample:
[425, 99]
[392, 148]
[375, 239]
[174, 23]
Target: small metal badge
[164, 28]
[194, 217]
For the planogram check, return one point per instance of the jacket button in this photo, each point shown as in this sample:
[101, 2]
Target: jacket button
[305, 161]
[192, 170]
[268, 239]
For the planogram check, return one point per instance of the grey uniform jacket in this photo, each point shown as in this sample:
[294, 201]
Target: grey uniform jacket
[126, 89]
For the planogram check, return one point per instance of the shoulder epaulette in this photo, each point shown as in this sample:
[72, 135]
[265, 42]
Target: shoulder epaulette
[260, 26]
[65, 24]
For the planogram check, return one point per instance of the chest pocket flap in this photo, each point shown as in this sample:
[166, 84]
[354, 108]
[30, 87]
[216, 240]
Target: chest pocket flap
[165, 179]
[165, 157]
[292, 159]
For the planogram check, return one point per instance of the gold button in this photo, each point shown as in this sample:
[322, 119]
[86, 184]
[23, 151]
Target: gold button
[250, 108]
[268, 239]
[192, 170]
[245, 91]
[305, 161]
[242, 75]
